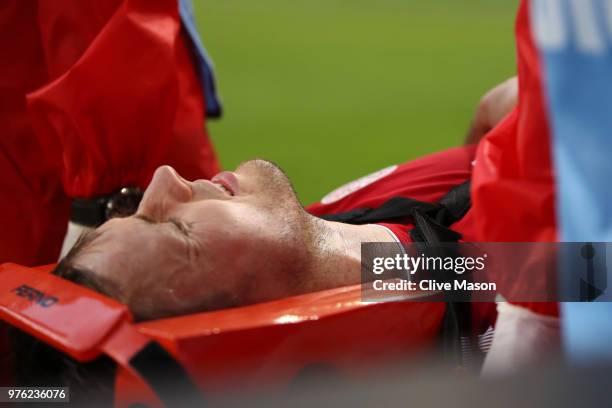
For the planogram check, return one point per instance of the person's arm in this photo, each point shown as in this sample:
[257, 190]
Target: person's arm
[493, 107]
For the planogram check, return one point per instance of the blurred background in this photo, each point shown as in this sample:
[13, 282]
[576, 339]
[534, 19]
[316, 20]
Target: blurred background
[331, 90]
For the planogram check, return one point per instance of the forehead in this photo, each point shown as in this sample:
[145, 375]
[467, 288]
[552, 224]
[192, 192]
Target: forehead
[128, 242]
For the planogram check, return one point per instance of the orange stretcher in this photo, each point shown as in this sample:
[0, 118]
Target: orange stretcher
[242, 348]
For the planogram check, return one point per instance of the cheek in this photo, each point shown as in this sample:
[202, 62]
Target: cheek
[239, 245]
[179, 291]
[222, 228]
[159, 286]
[235, 251]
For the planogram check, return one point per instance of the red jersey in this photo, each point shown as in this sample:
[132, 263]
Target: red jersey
[425, 179]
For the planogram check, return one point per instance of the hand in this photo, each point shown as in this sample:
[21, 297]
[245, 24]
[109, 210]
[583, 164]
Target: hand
[493, 107]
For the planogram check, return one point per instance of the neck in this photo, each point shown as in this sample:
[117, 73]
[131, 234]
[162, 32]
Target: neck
[336, 253]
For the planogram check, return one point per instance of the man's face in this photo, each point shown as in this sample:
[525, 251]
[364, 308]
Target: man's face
[202, 245]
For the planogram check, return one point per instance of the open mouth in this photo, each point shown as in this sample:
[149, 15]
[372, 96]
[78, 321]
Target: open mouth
[225, 189]
[226, 181]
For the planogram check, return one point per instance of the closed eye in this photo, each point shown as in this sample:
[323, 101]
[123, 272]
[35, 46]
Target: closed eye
[179, 225]
[182, 228]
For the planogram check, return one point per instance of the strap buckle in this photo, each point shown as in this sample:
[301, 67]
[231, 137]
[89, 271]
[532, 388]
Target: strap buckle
[92, 212]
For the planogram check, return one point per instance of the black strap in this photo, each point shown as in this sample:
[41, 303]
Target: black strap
[93, 212]
[431, 220]
[166, 376]
[89, 212]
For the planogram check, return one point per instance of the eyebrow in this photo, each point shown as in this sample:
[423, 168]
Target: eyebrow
[145, 218]
[172, 221]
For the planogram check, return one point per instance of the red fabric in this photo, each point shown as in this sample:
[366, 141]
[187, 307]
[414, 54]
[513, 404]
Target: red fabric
[33, 211]
[512, 186]
[426, 179]
[112, 95]
[68, 28]
[128, 104]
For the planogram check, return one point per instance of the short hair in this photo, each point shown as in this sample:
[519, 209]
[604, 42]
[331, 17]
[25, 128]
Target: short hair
[67, 269]
[38, 364]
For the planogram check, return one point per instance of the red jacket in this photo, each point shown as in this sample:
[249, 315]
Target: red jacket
[93, 96]
[513, 191]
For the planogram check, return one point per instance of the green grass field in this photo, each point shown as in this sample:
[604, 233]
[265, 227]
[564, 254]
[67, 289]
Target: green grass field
[333, 89]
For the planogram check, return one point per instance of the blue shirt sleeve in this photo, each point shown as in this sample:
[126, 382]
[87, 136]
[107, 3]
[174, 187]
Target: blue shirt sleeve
[576, 46]
[202, 62]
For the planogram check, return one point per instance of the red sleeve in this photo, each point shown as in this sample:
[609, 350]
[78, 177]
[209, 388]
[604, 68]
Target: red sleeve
[125, 106]
[512, 187]
[400, 231]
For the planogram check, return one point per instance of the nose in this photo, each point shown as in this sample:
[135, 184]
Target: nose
[166, 190]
